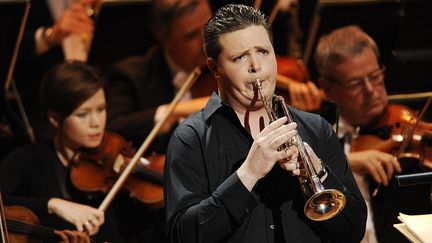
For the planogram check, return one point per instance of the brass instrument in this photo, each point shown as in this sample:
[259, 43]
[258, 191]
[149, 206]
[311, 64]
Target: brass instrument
[324, 203]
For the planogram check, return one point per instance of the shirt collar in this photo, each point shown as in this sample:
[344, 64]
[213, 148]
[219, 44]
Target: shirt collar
[346, 128]
[216, 105]
[213, 105]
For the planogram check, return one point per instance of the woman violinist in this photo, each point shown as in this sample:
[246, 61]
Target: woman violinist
[37, 176]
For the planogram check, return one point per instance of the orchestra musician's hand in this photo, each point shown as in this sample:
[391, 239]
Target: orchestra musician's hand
[74, 20]
[72, 236]
[305, 96]
[265, 152]
[182, 110]
[170, 122]
[379, 165]
[84, 217]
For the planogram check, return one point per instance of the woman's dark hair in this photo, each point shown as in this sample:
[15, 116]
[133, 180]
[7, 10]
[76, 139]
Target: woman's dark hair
[66, 86]
[230, 18]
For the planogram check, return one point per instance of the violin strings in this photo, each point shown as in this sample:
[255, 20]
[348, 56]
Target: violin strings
[16, 226]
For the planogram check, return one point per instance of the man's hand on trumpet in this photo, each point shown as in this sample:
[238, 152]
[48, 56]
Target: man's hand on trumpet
[265, 152]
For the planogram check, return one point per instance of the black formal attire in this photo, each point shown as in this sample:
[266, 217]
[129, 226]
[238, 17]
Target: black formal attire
[33, 174]
[137, 86]
[207, 202]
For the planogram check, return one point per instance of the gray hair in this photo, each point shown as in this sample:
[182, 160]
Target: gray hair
[340, 45]
[227, 19]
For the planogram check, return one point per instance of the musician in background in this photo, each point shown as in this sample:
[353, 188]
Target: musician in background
[56, 30]
[222, 179]
[350, 74]
[37, 176]
[71, 29]
[141, 87]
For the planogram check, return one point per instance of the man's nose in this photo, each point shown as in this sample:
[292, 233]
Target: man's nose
[368, 85]
[255, 65]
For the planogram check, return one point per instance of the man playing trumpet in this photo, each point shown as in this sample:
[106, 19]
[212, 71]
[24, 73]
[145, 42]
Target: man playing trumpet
[221, 182]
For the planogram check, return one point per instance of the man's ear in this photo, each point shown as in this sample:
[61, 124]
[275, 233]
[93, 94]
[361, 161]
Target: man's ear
[213, 67]
[54, 119]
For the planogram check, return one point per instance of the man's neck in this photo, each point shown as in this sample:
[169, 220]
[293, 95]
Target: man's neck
[253, 121]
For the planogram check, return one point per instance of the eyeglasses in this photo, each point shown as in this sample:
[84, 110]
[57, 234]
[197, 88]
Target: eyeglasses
[375, 78]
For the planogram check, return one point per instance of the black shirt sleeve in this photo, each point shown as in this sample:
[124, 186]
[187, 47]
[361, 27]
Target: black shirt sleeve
[191, 212]
[16, 173]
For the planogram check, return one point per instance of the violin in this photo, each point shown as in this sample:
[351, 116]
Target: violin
[293, 68]
[402, 133]
[94, 171]
[133, 163]
[24, 226]
[290, 69]
[21, 225]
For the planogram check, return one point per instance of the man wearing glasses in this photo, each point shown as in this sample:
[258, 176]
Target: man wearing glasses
[350, 74]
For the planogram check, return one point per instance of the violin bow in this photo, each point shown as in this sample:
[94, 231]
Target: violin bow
[276, 8]
[145, 145]
[3, 227]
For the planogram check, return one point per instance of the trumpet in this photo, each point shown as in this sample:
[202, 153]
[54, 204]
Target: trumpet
[323, 203]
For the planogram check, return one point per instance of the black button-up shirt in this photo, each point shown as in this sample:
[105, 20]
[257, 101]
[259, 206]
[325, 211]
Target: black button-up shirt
[207, 202]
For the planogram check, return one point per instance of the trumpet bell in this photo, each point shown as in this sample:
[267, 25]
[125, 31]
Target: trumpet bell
[324, 205]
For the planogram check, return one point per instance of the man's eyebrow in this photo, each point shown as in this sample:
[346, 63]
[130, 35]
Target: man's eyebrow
[238, 53]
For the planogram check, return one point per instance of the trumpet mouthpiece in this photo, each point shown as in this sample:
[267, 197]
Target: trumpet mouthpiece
[257, 83]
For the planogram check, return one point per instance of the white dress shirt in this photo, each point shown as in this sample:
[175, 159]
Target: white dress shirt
[347, 133]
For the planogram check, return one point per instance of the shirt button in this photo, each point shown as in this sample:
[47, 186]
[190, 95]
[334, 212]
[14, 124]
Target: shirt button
[271, 226]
